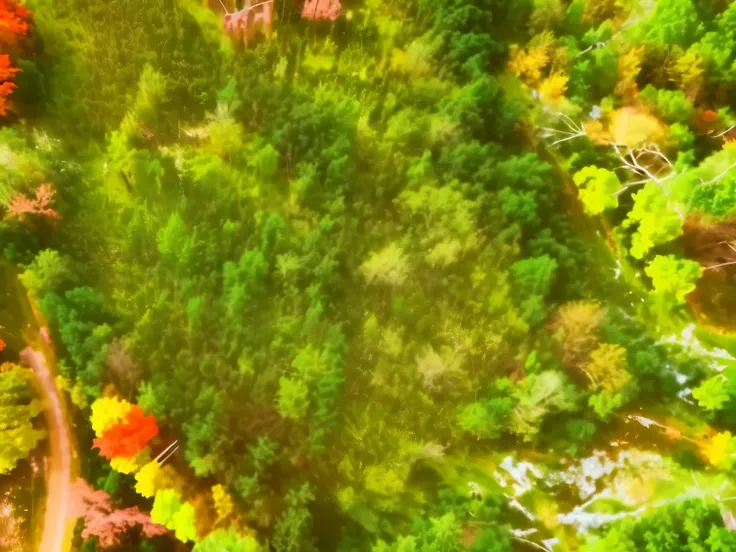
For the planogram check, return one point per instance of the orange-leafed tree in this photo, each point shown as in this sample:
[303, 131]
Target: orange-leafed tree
[7, 76]
[14, 18]
[7, 71]
[14, 26]
[127, 438]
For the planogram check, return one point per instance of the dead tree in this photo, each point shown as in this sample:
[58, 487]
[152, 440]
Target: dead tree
[571, 131]
[647, 162]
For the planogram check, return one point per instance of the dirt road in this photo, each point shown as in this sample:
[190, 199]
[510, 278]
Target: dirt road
[26, 328]
[56, 528]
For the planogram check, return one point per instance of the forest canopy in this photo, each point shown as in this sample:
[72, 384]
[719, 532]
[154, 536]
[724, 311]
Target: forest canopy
[371, 276]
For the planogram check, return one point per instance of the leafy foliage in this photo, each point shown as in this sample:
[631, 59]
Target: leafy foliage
[128, 437]
[598, 189]
[673, 277]
[103, 521]
[18, 408]
[687, 525]
[341, 268]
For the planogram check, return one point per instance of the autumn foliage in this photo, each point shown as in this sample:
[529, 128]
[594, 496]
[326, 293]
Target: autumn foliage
[103, 521]
[321, 9]
[7, 71]
[22, 204]
[7, 76]
[14, 20]
[128, 437]
[2, 345]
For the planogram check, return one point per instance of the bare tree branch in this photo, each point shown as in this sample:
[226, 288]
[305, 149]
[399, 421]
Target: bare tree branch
[573, 130]
[633, 163]
[729, 129]
[720, 265]
[712, 180]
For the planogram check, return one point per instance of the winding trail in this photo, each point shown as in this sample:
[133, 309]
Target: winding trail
[53, 532]
[56, 526]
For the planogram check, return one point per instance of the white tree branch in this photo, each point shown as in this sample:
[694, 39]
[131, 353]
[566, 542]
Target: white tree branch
[729, 129]
[731, 166]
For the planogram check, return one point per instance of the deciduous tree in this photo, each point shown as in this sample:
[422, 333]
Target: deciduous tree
[227, 541]
[606, 368]
[170, 511]
[22, 205]
[18, 408]
[597, 189]
[673, 277]
[321, 9]
[575, 325]
[103, 521]
[712, 394]
[128, 437]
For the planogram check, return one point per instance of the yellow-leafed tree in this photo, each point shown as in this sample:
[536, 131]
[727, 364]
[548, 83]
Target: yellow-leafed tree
[124, 465]
[629, 65]
[575, 327]
[607, 367]
[223, 502]
[527, 63]
[721, 450]
[106, 412]
[553, 87]
[634, 128]
[146, 479]
[688, 71]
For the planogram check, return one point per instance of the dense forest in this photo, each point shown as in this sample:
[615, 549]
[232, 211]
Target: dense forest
[368, 275]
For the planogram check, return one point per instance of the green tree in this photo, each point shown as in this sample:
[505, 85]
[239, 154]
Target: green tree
[174, 243]
[538, 395]
[672, 277]
[691, 525]
[712, 394]
[293, 530]
[227, 541]
[165, 504]
[293, 398]
[80, 317]
[388, 266]
[671, 105]
[486, 419]
[674, 22]
[170, 511]
[658, 222]
[49, 271]
[597, 188]
[605, 402]
[533, 279]
[18, 408]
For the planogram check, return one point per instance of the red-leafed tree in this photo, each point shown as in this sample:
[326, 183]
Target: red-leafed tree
[22, 205]
[103, 521]
[128, 437]
[321, 9]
